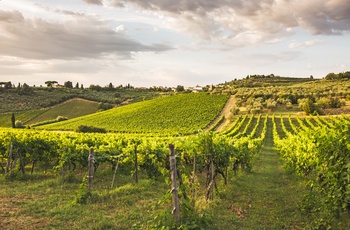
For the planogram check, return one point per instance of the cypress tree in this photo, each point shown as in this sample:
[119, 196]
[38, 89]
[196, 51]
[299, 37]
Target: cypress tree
[13, 120]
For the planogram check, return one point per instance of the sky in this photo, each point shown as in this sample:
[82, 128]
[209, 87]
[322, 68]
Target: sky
[168, 43]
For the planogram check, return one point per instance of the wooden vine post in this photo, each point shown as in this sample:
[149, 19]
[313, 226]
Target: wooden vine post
[115, 172]
[9, 159]
[91, 160]
[174, 189]
[193, 190]
[136, 166]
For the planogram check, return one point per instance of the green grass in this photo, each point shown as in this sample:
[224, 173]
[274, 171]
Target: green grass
[266, 198]
[24, 117]
[43, 97]
[183, 113]
[271, 198]
[70, 109]
[47, 203]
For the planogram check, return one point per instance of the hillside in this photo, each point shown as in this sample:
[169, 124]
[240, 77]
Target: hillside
[34, 98]
[24, 117]
[182, 113]
[70, 109]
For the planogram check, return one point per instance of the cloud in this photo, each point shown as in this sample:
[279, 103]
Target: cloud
[305, 44]
[120, 29]
[80, 37]
[232, 20]
[96, 2]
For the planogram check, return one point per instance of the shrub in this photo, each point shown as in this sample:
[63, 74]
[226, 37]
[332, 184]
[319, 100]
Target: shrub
[90, 129]
[61, 118]
[307, 105]
[104, 106]
[19, 124]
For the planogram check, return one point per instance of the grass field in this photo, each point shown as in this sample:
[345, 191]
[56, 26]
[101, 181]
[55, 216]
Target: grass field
[70, 109]
[24, 117]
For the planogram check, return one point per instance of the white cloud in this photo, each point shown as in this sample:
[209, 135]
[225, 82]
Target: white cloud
[120, 29]
[305, 44]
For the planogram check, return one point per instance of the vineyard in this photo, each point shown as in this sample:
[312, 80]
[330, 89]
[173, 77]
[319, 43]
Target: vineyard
[315, 148]
[177, 114]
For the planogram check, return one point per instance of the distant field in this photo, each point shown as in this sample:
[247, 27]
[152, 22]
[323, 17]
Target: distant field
[24, 117]
[70, 109]
[182, 114]
[43, 97]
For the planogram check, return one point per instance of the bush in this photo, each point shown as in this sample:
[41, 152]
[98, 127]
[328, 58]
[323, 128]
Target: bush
[61, 118]
[104, 106]
[19, 124]
[234, 110]
[307, 105]
[90, 129]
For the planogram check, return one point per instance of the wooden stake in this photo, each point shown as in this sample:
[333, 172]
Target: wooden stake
[174, 189]
[91, 159]
[212, 178]
[21, 163]
[193, 190]
[136, 166]
[14, 164]
[115, 171]
[9, 159]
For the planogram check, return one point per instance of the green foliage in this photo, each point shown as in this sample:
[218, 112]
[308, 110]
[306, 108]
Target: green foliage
[307, 105]
[177, 114]
[317, 151]
[19, 124]
[234, 111]
[89, 129]
[83, 195]
[104, 106]
[25, 90]
[190, 218]
[180, 88]
[36, 98]
[58, 119]
[330, 102]
[25, 117]
[13, 120]
[322, 154]
[69, 109]
[338, 76]
[271, 104]
[61, 118]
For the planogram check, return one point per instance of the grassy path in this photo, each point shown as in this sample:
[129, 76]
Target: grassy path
[267, 198]
[225, 112]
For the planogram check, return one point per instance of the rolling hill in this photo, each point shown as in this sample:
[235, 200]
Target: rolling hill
[71, 109]
[177, 114]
